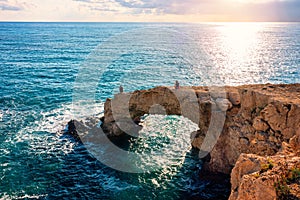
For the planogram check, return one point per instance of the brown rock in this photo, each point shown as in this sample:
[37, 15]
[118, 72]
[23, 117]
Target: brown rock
[295, 142]
[223, 104]
[260, 136]
[267, 116]
[260, 119]
[234, 98]
[293, 117]
[288, 133]
[275, 115]
[255, 177]
[260, 125]
[244, 141]
[246, 164]
[197, 139]
[108, 116]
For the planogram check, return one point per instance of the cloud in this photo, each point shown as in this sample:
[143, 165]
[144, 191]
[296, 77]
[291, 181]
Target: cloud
[271, 11]
[10, 7]
[7, 5]
[178, 7]
[161, 7]
[87, 1]
[256, 10]
[289, 10]
[150, 10]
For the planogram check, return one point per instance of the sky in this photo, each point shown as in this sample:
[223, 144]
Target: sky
[150, 10]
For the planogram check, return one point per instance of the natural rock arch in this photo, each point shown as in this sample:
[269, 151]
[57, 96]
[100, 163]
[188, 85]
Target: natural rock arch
[195, 103]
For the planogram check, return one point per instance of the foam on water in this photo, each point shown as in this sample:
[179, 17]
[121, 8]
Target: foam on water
[8, 197]
[39, 148]
[35, 141]
[167, 138]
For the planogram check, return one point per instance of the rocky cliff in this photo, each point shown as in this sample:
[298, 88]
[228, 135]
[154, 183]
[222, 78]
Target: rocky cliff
[268, 177]
[245, 128]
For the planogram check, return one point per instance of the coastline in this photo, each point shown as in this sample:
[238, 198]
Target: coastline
[39, 76]
[261, 126]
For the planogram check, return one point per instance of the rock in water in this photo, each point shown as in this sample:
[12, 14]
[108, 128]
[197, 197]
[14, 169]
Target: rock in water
[72, 130]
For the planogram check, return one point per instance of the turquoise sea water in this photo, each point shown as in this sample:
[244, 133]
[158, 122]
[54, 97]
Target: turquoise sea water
[40, 63]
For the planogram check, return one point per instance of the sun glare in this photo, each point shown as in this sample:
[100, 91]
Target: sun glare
[252, 1]
[239, 38]
[240, 42]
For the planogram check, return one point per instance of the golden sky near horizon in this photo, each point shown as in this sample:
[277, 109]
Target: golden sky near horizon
[150, 10]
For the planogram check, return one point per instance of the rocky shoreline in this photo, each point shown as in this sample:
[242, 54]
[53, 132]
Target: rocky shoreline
[251, 132]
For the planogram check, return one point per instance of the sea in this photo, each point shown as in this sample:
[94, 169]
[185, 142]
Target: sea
[51, 73]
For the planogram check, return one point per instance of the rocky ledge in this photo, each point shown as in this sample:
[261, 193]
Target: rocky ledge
[258, 140]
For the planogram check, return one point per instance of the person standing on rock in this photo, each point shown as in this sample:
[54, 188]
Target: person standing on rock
[121, 89]
[176, 85]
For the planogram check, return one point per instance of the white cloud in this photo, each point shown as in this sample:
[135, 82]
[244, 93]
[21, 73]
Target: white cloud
[6, 5]
[150, 10]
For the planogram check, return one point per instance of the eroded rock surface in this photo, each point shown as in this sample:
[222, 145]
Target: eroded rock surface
[258, 117]
[268, 177]
[259, 137]
[268, 116]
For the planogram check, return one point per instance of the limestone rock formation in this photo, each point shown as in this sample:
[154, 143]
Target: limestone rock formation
[259, 137]
[258, 117]
[121, 112]
[267, 116]
[270, 178]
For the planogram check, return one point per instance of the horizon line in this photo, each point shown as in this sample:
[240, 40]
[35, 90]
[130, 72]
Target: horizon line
[42, 21]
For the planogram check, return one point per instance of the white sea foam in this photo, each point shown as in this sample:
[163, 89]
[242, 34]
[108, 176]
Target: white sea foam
[8, 197]
[51, 123]
[56, 120]
[1, 115]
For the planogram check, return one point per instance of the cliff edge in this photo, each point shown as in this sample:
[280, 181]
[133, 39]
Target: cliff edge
[259, 137]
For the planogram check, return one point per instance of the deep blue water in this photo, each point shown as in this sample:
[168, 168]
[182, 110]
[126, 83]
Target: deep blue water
[41, 63]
